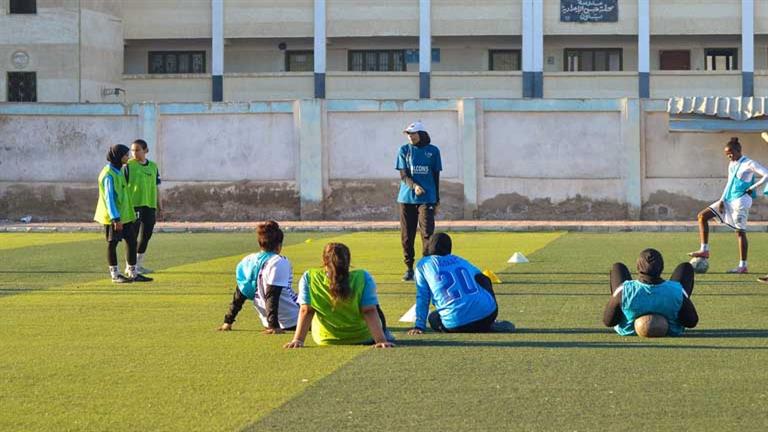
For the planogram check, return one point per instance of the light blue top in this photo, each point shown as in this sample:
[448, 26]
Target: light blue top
[247, 272]
[421, 162]
[449, 283]
[638, 299]
[110, 196]
[737, 187]
[368, 298]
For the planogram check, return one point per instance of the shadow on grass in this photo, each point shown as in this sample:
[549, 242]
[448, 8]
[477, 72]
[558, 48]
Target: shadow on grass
[727, 333]
[618, 344]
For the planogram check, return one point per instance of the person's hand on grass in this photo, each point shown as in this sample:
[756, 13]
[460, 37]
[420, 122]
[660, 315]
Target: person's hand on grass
[384, 345]
[294, 344]
[225, 327]
[270, 331]
[415, 331]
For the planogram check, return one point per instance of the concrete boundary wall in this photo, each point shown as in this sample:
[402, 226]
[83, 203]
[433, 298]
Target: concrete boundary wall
[313, 159]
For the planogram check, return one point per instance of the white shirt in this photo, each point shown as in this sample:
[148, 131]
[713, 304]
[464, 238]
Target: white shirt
[746, 172]
[277, 271]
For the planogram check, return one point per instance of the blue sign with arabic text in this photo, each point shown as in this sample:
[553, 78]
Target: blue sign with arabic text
[587, 11]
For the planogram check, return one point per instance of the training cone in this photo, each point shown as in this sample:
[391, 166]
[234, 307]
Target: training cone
[309, 240]
[492, 276]
[409, 316]
[517, 258]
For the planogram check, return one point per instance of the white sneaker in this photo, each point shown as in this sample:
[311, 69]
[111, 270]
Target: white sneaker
[142, 270]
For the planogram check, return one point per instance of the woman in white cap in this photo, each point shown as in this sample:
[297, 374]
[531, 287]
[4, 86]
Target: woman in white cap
[419, 165]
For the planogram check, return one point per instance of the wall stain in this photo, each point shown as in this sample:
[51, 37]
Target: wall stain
[372, 200]
[517, 207]
[48, 203]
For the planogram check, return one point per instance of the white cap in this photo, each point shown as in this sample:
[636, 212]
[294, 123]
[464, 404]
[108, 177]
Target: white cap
[414, 127]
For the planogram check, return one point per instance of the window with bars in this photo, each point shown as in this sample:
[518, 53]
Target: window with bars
[22, 86]
[172, 62]
[376, 60]
[23, 7]
[299, 61]
[721, 59]
[504, 60]
[593, 59]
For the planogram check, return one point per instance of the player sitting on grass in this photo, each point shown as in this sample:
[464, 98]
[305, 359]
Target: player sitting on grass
[265, 277]
[341, 304]
[463, 296]
[650, 294]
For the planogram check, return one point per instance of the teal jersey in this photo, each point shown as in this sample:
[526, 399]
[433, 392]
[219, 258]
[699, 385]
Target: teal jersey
[737, 187]
[421, 162]
[247, 272]
[638, 299]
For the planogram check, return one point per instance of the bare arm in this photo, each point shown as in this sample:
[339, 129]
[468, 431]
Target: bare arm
[305, 318]
[371, 316]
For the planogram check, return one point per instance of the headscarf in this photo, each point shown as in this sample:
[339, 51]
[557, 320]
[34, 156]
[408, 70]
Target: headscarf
[650, 264]
[115, 155]
[439, 244]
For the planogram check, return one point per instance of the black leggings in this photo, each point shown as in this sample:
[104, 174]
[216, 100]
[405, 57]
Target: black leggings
[146, 224]
[128, 233]
[483, 325]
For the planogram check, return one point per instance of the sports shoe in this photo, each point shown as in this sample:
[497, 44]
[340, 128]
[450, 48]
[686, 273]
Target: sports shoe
[121, 279]
[408, 276]
[738, 270]
[138, 277]
[143, 270]
[699, 254]
[763, 279]
[503, 327]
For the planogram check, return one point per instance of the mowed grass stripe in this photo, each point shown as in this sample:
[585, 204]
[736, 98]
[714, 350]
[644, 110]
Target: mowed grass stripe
[22, 240]
[563, 370]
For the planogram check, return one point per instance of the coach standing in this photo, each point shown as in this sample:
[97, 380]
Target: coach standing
[419, 165]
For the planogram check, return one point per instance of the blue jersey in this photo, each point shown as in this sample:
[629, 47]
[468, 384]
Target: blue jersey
[449, 283]
[638, 299]
[422, 162]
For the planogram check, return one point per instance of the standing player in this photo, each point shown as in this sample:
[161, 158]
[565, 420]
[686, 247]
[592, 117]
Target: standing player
[463, 296]
[419, 165]
[114, 210]
[143, 178]
[733, 206]
[265, 278]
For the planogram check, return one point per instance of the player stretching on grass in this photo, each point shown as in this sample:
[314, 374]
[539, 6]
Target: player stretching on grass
[733, 206]
[265, 277]
[462, 295]
[650, 294]
[143, 178]
[114, 211]
[341, 304]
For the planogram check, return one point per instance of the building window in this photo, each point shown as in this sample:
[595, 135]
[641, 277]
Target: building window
[675, 60]
[593, 60]
[22, 87]
[172, 62]
[504, 60]
[721, 59]
[23, 7]
[299, 61]
[377, 60]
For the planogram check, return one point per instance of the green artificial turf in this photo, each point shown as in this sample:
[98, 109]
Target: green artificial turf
[79, 353]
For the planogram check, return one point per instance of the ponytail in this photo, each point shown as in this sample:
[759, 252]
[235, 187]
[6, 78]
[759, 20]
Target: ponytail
[336, 258]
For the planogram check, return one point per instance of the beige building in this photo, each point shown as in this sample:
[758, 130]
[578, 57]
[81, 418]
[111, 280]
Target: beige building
[247, 50]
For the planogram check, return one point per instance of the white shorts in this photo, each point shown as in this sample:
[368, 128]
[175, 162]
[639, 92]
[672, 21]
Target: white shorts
[734, 216]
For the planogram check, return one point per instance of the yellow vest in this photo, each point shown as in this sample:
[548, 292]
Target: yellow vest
[122, 199]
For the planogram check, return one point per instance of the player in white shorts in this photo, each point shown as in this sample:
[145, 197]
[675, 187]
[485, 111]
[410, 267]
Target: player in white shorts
[733, 206]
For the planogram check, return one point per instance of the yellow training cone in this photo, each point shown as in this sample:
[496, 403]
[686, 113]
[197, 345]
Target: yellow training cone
[492, 276]
[309, 240]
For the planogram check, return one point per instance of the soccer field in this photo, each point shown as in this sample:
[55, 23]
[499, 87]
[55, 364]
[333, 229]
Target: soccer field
[80, 353]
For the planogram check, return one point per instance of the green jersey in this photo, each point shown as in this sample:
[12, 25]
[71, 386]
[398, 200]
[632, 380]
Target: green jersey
[142, 182]
[114, 200]
[341, 322]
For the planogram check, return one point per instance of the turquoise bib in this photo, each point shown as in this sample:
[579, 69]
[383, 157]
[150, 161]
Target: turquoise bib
[638, 299]
[737, 187]
[247, 272]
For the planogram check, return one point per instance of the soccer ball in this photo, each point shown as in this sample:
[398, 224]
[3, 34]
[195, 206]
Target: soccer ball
[700, 265]
[651, 325]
